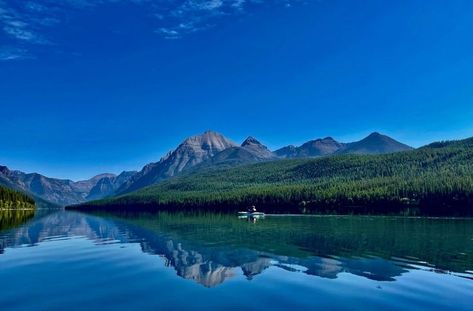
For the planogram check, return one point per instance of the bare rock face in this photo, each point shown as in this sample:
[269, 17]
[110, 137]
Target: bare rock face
[192, 151]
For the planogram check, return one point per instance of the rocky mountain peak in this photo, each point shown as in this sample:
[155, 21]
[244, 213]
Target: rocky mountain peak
[192, 151]
[258, 150]
[208, 140]
[328, 138]
[251, 141]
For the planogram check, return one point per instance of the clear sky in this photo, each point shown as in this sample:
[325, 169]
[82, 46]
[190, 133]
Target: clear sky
[92, 86]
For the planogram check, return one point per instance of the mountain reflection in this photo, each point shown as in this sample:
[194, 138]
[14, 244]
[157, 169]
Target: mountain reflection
[210, 249]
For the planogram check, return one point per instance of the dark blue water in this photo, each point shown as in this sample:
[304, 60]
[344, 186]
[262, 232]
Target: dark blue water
[72, 261]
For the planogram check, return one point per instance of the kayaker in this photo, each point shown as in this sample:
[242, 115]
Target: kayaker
[252, 209]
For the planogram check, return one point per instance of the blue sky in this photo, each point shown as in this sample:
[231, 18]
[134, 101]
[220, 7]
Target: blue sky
[109, 85]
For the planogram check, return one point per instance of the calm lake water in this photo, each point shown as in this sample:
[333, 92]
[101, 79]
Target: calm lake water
[71, 261]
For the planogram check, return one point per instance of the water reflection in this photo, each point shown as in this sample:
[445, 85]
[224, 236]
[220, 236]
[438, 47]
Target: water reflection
[210, 249]
[14, 218]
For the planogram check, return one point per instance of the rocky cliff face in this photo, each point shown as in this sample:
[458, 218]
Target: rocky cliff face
[192, 151]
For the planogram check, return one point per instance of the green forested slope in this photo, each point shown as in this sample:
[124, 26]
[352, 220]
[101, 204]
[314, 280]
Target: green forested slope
[11, 199]
[434, 180]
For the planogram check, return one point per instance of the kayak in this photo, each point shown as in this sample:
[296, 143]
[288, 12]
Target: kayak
[251, 214]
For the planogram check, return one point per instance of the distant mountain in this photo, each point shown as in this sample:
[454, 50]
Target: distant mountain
[56, 191]
[287, 152]
[192, 151]
[107, 185]
[86, 185]
[375, 143]
[313, 148]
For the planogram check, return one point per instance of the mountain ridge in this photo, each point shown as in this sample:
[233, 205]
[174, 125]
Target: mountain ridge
[215, 150]
[209, 149]
[56, 191]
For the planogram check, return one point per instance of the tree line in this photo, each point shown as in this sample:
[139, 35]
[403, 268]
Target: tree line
[12, 199]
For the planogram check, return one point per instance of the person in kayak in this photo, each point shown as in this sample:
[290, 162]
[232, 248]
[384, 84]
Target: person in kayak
[252, 209]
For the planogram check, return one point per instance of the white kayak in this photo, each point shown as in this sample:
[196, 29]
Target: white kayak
[251, 214]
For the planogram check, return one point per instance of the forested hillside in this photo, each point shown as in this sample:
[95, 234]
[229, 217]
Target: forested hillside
[11, 199]
[434, 180]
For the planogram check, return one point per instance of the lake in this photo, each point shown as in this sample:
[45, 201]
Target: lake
[62, 260]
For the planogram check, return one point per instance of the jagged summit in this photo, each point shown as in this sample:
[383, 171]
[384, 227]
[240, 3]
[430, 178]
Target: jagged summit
[208, 139]
[250, 141]
[258, 150]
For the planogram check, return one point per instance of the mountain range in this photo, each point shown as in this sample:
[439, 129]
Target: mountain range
[61, 191]
[207, 150]
[212, 149]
